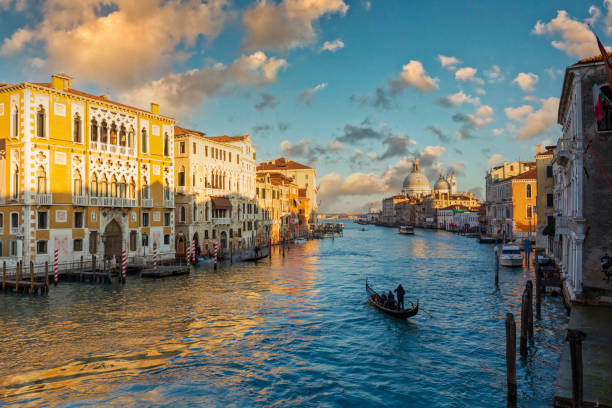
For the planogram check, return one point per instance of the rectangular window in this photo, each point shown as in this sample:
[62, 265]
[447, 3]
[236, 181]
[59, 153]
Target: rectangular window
[13, 247]
[1, 220]
[214, 234]
[549, 201]
[167, 219]
[145, 219]
[182, 147]
[42, 220]
[41, 247]
[206, 234]
[166, 239]
[78, 219]
[194, 148]
[550, 219]
[205, 151]
[77, 245]
[529, 211]
[549, 171]
[133, 238]
[93, 242]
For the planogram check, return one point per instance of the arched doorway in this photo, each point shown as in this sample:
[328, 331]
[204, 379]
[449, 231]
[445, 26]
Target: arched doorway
[112, 240]
[180, 245]
[223, 240]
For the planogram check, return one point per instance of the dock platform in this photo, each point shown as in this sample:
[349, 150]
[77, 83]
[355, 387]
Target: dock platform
[163, 271]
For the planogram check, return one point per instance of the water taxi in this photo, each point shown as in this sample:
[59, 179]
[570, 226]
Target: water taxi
[510, 255]
[406, 230]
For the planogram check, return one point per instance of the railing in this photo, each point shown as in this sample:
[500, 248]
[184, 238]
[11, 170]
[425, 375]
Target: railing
[169, 203]
[79, 200]
[44, 199]
[15, 231]
[94, 200]
[111, 148]
[221, 221]
[147, 202]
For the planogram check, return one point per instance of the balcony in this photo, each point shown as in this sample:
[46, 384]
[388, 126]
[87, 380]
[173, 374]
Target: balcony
[80, 200]
[169, 203]
[16, 231]
[106, 201]
[94, 201]
[222, 221]
[147, 202]
[111, 148]
[44, 199]
[562, 153]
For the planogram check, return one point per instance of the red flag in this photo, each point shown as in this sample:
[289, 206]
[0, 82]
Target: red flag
[606, 60]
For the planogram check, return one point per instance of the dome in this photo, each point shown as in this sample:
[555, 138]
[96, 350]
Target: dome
[416, 183]
[442, 186]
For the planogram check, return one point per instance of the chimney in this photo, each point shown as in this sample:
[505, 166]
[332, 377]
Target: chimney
[103, 96]
[154, 108]
[61, 81]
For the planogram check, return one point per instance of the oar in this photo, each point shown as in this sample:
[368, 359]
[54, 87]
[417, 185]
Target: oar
[421, 308]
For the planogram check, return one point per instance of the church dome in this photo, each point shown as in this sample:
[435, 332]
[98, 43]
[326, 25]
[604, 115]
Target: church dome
[442, 186]
[416, 183]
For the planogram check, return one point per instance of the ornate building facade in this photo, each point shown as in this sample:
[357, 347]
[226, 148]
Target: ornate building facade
[82, 174]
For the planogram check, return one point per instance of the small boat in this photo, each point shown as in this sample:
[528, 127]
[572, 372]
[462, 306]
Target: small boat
[299, 241]
[483, 239]
[255, 258]
[363, 229]
[401, 314]
[510, 255]
[406, 230]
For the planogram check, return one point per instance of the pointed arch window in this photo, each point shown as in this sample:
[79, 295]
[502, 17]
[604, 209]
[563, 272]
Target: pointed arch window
[144, 141]
[77, 128]
[181, 177]
[93, 136]
[130, 140]
[145, 188]
[40, 121]
[94, 186]
[104, 132]
[104, 186]
[15, 182]
[195, 212]
[41, 180]
[132, 189]
[166, 144]
[166, 190]
[77, 184]
[113, 134]
[122, 136]
[113, 186]
[16, 122]
[122, 187]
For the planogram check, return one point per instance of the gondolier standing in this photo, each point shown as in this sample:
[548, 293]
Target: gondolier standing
[400, 296]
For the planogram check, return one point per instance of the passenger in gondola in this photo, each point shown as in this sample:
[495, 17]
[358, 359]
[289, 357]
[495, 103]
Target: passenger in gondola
[390, 301]
[400, 296]
[383, 299]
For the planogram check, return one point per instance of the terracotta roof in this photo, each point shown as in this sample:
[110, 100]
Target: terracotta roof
[98, 98]
[528, 175]
[227, 139]
[547, 152]
[282, 164]
[221, 203]
[183, 131]
[302, 192]
[595, 58]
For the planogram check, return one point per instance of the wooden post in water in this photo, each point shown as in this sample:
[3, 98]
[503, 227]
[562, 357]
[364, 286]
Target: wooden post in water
[529, 289]
[511, 358]
[538, 292]
[231, 253]
[47, 275]
[496, 270]
[17, 276]
[81, 270]
[575, 340]
[524, 324]
[31, 277]
[3, 275]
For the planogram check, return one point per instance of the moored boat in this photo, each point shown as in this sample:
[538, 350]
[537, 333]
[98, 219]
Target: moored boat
[299, 241]
[373, 299]
[406, 230]
[510, 255]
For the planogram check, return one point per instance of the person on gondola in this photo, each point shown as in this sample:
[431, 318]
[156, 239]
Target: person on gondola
[390, 301]
[383, 299]
[400, 296]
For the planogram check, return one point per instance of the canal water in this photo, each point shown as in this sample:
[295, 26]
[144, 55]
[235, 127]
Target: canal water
[287, 332]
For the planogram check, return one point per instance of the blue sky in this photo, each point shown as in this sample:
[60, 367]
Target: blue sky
[359, 109]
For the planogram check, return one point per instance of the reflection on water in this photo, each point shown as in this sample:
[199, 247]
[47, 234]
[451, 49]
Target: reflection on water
[289, 331]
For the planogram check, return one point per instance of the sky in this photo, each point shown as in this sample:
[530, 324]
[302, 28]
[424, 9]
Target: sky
[356, 89]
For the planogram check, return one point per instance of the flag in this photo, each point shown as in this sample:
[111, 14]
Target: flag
[606, 61]
[598, 98]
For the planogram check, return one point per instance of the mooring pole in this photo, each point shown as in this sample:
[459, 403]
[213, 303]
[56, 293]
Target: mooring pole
[524, 324]
[575, 340]
[538, 290]
[47, 275]
[496, 270]
[31, 277]
[529, 289]
[3, 275]
[511, 358]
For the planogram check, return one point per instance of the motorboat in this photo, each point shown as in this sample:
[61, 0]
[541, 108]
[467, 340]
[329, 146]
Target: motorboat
[406, 230]
[299, 241]
[510, 255]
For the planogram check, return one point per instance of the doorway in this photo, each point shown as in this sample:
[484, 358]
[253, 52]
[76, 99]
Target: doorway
[112, 241]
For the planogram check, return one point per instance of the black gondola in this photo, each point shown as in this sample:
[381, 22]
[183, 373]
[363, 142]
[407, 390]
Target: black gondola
[402, 314]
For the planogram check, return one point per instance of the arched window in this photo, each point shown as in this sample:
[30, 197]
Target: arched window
[15, 182]
[77, 184]
[166, 144]
[528, 192]
[40, 121]
[104, 132]
[132, 189]
[94, 186]
[16, 122]
[122, 136]
[122, 187]
[181, 177]
[113, 134]
[143, 142]
[93, 136]
[77, 128]
[104, 186]
[195, 212]
[113, 192]
[41, 184]
[166, 190]
[131, 138]
[182, 216]
[145, 188]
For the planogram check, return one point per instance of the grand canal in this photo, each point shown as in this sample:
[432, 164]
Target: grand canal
[292, 331]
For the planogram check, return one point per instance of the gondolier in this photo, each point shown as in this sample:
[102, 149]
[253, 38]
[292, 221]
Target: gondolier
[400, 296]
[376, 300]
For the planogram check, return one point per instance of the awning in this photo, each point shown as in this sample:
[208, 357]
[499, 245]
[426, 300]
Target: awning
[221, 203]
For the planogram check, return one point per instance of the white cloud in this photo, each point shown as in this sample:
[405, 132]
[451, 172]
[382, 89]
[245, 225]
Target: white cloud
[468, 74]
[495, 160]
[414, 76]
[332, 185]
[518, 114]
[290, 149]
[577, 38]
[308, 95]
[127, 46]
[457, 99]
[485, 111]
[553, 72]
[480, 91]
[180, 93]
[498, 131]
[608, 20]
[595, 13]
[449, 63]
[288, 24]
[526, 81]
[332, 46]
[540, 121]
[335, 146]
[494, 75]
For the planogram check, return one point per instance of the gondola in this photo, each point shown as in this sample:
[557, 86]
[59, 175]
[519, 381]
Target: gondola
[401, 314]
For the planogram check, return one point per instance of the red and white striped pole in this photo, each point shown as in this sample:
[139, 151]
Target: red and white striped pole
[55, 265]
[154, 256]
[215, 254]
[123, 264]
[188, 252]
[193, 252]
